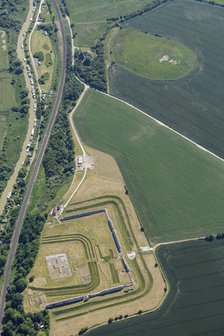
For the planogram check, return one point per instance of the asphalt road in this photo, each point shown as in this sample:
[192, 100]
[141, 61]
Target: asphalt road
[35, 170]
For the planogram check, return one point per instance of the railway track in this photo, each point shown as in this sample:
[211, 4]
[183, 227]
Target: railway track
[35, 170]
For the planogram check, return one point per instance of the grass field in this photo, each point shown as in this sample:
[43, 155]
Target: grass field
[43, 43]
[110, 268]
[176, 188]
[104, 187]
[192, 105]
[150, 56]
[64, 238]
[89, 254]
[45, 14]
[7, 93]
[3, 129]
[12, 127]
[14, 138]
[194, 305]
[89, 17]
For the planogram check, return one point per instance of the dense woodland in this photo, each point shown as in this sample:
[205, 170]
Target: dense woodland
[58, 160]
[16, 322]
[59, 157]
[89, 66]
[9, 9]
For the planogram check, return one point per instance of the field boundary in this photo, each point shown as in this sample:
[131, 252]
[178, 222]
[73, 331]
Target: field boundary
[162, 124]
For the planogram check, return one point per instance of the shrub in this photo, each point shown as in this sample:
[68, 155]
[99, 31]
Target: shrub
[39, 55]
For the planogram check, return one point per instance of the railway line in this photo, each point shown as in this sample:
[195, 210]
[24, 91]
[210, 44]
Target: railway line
[35, 170]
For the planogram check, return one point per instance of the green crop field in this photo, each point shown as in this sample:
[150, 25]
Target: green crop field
[194, 305]
[219, 2]
[176, 188]
[194, 104]
[150, 56]
[48, 60]
[89, 17]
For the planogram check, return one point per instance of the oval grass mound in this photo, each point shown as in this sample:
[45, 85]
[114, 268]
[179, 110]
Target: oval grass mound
[151, 56]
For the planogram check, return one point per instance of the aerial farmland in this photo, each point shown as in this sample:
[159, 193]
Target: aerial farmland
[113, 224]
[193, 306]
[191, 105]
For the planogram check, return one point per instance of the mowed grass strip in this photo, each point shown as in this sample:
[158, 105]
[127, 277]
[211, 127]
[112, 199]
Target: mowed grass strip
[151, 56]
[90, 17]
[177, 189]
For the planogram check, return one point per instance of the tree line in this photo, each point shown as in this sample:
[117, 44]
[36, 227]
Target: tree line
[58, 161]
[9, 17]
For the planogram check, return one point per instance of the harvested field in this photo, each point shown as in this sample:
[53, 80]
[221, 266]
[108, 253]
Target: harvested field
[194, 305]
[194, 104]
[176, 188]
